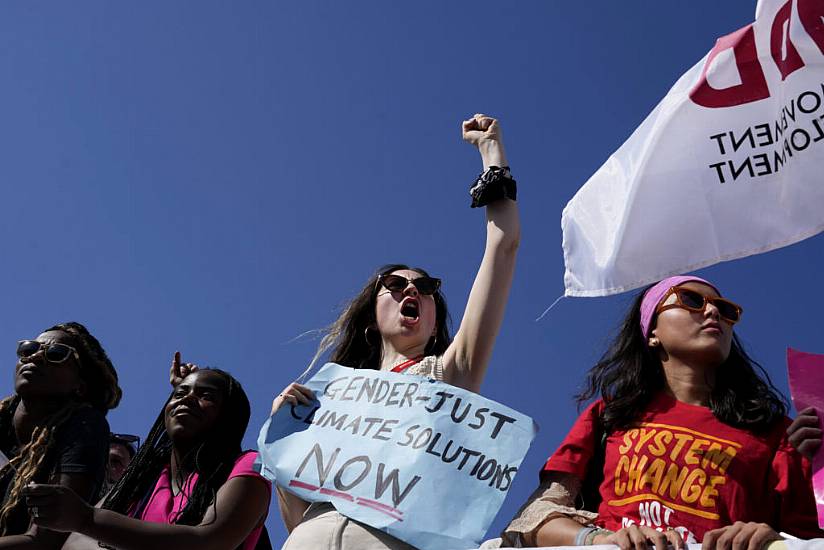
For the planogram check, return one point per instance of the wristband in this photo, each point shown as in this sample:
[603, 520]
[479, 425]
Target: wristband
[589, 539]
[583, 533]
[494, 184]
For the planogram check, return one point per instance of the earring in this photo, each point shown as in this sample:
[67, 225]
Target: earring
[434, 342]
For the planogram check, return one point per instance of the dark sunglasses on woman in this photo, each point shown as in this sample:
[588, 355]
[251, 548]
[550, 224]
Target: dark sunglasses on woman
[54, 353]
[697, 302]
[398, 283]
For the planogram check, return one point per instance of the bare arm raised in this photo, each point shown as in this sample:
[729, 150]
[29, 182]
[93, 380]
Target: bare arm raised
[467, 358]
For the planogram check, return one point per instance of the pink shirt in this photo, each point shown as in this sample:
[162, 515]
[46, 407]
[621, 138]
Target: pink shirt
[164, 506]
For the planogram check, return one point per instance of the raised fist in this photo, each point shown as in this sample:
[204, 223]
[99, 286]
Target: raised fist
[481, 128]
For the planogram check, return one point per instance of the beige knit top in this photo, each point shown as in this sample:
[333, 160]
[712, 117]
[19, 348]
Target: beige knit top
[430, 366]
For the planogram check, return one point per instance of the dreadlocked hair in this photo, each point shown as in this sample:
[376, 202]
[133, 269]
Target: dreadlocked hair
[97, 371]
[30, 460]
[212, 459]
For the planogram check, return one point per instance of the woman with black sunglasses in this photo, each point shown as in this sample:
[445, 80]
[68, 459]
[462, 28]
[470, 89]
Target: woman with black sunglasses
[53, 429]
[687, 442]
[399, 322]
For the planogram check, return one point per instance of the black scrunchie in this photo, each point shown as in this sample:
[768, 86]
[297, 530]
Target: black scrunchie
[493, 185]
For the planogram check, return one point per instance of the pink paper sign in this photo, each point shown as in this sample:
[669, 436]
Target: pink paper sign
[806, 372]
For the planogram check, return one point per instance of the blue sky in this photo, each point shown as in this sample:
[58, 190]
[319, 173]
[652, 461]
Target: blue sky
[220, 177]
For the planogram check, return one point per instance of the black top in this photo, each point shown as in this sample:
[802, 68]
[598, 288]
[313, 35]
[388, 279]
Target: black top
[81, 446]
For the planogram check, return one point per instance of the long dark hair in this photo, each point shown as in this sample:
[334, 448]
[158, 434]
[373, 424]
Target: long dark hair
[630, 374]
[212, 460]
[355, 341]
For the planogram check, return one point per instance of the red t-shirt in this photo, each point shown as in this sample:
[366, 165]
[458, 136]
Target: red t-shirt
[681, 467]
[164, 506]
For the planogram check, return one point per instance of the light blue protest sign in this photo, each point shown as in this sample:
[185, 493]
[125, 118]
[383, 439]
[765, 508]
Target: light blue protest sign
[426, 462]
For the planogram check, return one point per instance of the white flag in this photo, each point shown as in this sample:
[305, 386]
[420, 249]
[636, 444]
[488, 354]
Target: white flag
[730, 163]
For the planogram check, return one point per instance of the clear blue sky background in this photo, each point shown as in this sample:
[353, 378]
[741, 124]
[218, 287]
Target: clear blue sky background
[220, 177]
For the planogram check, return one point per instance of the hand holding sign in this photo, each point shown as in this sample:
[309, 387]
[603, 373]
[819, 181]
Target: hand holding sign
[805, 432]
[383, 447]
[293, 394]
[806, 374]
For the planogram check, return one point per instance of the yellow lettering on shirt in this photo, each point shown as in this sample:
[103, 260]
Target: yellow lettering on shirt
[661, 440]
[679, 467]
[623, 466]
[695, 450]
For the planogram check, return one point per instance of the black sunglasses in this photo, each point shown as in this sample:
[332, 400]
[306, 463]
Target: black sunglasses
[397, 283]
[54, 353]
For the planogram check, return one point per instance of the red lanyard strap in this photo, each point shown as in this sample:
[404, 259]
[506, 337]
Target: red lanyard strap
[406, 364]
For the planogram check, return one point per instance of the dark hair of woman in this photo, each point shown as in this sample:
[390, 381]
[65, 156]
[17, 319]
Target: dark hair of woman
[630, 374]
[213, 459]
[354, 336]
[102, 392]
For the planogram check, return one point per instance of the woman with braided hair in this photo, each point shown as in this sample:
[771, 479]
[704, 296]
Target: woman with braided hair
[190, 486]
[53, 429]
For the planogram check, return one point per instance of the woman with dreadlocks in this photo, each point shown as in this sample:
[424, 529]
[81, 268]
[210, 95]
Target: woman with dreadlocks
[190, 486]
[53, 429]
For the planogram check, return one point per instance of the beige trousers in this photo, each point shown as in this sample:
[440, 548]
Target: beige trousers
[323, 528]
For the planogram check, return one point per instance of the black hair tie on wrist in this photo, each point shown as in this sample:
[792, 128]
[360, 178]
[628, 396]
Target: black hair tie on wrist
[494, 184]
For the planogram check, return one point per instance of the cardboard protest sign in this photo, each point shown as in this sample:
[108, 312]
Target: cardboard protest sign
[426, 462]
[726, 166]
[806, 374]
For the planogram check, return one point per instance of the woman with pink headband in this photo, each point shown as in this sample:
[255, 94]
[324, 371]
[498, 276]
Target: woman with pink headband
[686, 442]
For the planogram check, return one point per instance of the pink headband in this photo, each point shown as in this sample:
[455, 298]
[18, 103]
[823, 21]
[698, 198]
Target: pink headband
[655, 294]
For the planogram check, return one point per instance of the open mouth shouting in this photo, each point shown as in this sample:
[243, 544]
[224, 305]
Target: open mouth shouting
[410, 311]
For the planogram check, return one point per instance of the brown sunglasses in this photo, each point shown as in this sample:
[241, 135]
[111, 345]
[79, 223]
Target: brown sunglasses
[697, 302]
